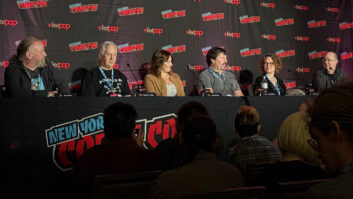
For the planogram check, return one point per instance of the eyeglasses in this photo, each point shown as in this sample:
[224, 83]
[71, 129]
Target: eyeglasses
[313, 144]
[268, 63]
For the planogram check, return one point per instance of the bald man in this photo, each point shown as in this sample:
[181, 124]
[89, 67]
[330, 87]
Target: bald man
[329, 75]
[29, 75]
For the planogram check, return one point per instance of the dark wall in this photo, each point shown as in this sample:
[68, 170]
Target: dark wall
[299, 31]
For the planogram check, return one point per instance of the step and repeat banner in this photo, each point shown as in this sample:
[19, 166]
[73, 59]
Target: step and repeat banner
[299, 31]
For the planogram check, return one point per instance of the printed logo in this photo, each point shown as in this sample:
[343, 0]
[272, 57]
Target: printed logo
[175, 49]
[61, 65]
[135, 83]
[291, 84]
[247, 19]
[158, 31]
[126, 48]
[233, 68]
[126, 11]
[268, 5]
[108, 28]
[208, 16]
[301, 7]
[232, 34]
[334, 39]
[301, 38]
[250, 52]
[8, 22]
[284, 22]
[236, 2]
[194, 32]
[79, 8]
[26, 4]
[302, 69]
[316, 55]
[70, 140]
[206, 49]
[282, 53]
[345, 25]
[268, 37]
[59, 26]
[333, 10]
[346, 55]
[196, 67]
[316, 24]
[4, 64]
[168, 14]
[78, 46]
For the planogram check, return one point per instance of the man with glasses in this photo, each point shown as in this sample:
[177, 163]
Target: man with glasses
[331, 129]
[329, 75]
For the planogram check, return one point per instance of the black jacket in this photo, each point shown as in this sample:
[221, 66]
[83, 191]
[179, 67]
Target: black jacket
[18, 83]
[271, 87]
[322, 79]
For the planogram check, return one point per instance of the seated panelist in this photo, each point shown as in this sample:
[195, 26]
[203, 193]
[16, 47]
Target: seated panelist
[161, 79]
[270, 65]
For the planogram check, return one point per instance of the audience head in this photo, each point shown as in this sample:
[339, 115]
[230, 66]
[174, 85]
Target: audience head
[330, 62]
[293, 136]
[246, 121]
[107, 55]
[30, 52]
[216, 56]
[331, 126]
[199, 134]
[271, 63]
[188, 109]
[119, 120]
[306, 106]
[162, 61]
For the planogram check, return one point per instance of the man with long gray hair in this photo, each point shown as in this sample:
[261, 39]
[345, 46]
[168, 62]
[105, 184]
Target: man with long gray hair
[29, 75]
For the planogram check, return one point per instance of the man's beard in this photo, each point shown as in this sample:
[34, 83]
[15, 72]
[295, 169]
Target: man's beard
[41, 64]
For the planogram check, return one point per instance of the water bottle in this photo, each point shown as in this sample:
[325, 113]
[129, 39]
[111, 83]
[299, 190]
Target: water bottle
[264, 85]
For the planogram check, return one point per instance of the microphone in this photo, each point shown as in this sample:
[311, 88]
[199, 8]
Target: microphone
[204, 90]
[138, 86]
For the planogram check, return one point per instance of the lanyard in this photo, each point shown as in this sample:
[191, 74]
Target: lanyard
[109, 82]
[276, 85]
[215, 75]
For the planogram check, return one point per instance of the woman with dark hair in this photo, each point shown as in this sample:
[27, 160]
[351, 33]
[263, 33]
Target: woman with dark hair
[161, 79]
[270, 66]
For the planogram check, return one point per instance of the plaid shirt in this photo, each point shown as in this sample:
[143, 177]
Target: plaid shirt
[253, 150]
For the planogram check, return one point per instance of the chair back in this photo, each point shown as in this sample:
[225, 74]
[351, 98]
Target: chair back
[296, 189]
[251, 192]
[131, 185]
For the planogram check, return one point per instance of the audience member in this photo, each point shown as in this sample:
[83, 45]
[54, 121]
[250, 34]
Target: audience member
[216, 79]
[104, 80]
[252, 148]
[331, 129]
[299, 161]
[119, 153]
[161, 79]
[270, 66]
[203, 172]
[329, 75]
[30, 75]
[169, 148]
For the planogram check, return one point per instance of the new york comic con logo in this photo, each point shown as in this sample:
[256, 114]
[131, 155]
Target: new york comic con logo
[4, 64]
[78, 8]
[316, 55]
[250, 52]
[79, 46]
[208, 16]
[126, 11]
[126, 48]
[316, 24]
[26, 4]
[175, 49]
[246, 19]
[284, 22]
[169, 14]
[283, 53]
[68, 141]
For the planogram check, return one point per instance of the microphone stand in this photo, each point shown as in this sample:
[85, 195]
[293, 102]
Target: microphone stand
[138, 86]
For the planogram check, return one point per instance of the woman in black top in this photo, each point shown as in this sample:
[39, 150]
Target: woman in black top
[270, 65]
